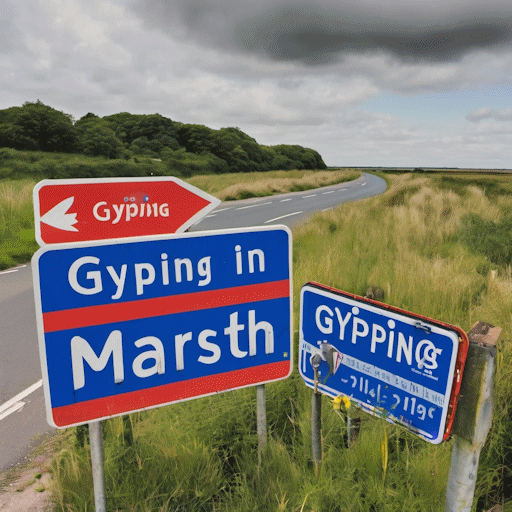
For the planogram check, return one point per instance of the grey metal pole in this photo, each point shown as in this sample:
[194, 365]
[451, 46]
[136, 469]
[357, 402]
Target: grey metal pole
[316, 417]
[316, 431]
[98, 477]
[261, 418]
[473, 417]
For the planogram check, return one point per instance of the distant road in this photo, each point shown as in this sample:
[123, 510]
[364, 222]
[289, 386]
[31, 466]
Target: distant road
[291, 208]
[22, 410]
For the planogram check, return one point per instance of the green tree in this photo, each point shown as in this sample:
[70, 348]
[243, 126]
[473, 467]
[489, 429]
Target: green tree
[99, 140]
[37, 126]
[160, 131]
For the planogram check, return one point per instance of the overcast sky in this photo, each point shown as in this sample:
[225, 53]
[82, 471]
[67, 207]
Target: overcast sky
[364, 82]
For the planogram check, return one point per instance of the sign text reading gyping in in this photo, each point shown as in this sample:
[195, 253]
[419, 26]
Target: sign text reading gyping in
[126, 326]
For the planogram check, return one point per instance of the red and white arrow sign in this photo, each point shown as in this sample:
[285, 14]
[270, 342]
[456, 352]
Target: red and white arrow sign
[78, 210]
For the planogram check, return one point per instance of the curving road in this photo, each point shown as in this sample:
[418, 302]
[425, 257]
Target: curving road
[292, 208]
[22, 410]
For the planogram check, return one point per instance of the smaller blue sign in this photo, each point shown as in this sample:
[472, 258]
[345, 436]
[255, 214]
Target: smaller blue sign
[391, 363]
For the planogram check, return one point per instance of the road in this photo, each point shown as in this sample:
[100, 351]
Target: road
[22, 411]
[292, 208]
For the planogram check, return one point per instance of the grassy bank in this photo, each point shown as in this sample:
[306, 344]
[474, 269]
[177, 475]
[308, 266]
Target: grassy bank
[17, 237]
[202, 455]
[228, 187]
[17, 242]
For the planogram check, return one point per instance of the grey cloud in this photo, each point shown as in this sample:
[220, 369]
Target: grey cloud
[320, 31]
[490, 113]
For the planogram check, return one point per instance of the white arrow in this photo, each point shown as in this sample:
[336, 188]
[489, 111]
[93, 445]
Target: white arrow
[58, 218]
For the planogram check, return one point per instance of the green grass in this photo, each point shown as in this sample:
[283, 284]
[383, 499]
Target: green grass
[201, 455]
[17, 235]
[17, 242]
[233, 186]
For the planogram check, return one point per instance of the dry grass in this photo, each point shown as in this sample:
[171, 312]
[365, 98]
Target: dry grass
[235, 186]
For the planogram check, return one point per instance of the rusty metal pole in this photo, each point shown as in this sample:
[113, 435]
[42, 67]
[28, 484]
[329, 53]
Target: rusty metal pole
[473, 416]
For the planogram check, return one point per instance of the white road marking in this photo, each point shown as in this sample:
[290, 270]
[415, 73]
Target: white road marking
[208, 216]
[284, 200]
[253, 205]
[16, 407]
[12, 269]
[222, 209]
[15, 403]
[329, 192]
[343, 189]
[282, 217]
[310, 195]
[363, 184]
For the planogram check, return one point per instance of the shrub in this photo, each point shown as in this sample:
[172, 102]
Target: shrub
[493, 240]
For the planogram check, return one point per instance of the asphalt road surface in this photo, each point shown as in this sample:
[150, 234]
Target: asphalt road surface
[22, 410]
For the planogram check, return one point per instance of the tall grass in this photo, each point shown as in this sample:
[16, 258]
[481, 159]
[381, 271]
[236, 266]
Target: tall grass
[228, 187]
[202, 455]
[17, 242]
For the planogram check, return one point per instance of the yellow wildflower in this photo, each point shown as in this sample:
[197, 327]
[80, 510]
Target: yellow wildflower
[336, 402]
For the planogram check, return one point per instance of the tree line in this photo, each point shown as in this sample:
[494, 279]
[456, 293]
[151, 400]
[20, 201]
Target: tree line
[187, 148]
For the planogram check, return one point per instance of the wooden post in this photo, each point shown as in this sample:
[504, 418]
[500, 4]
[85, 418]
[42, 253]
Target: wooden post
[473, 416]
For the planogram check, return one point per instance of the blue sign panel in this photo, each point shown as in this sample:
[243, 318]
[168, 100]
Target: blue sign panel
[390, 363]
[126, 325]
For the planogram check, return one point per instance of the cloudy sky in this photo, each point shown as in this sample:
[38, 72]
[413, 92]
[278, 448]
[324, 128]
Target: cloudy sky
[364, 82]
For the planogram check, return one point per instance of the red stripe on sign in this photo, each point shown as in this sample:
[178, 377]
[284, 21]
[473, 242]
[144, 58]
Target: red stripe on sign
[160, 306]
[90, 410]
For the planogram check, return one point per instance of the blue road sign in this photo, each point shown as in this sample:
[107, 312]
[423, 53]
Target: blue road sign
[390, 362]
[126, 325]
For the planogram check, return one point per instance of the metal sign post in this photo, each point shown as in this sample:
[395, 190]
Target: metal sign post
[81, 210]
[98, 477]
[394, 364]
[473, 417]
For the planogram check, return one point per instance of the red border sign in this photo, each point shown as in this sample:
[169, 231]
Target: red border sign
[78, 210]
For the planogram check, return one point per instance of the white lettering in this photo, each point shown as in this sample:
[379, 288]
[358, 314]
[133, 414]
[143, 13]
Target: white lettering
[179, 343]
[157, 355]
[106, 211]
[94, 276]
[377, 338]
[131, 211]
[254, 328]
[261, 260]
[141, 281]
[404, 348]
[326, 326]
[119, 211]
[204, 270]
[81, 350]
[343, 322]
[355, 332]
[164, 210]
[118, 280]
[178, 263]
[232, 331]
[207, 345]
